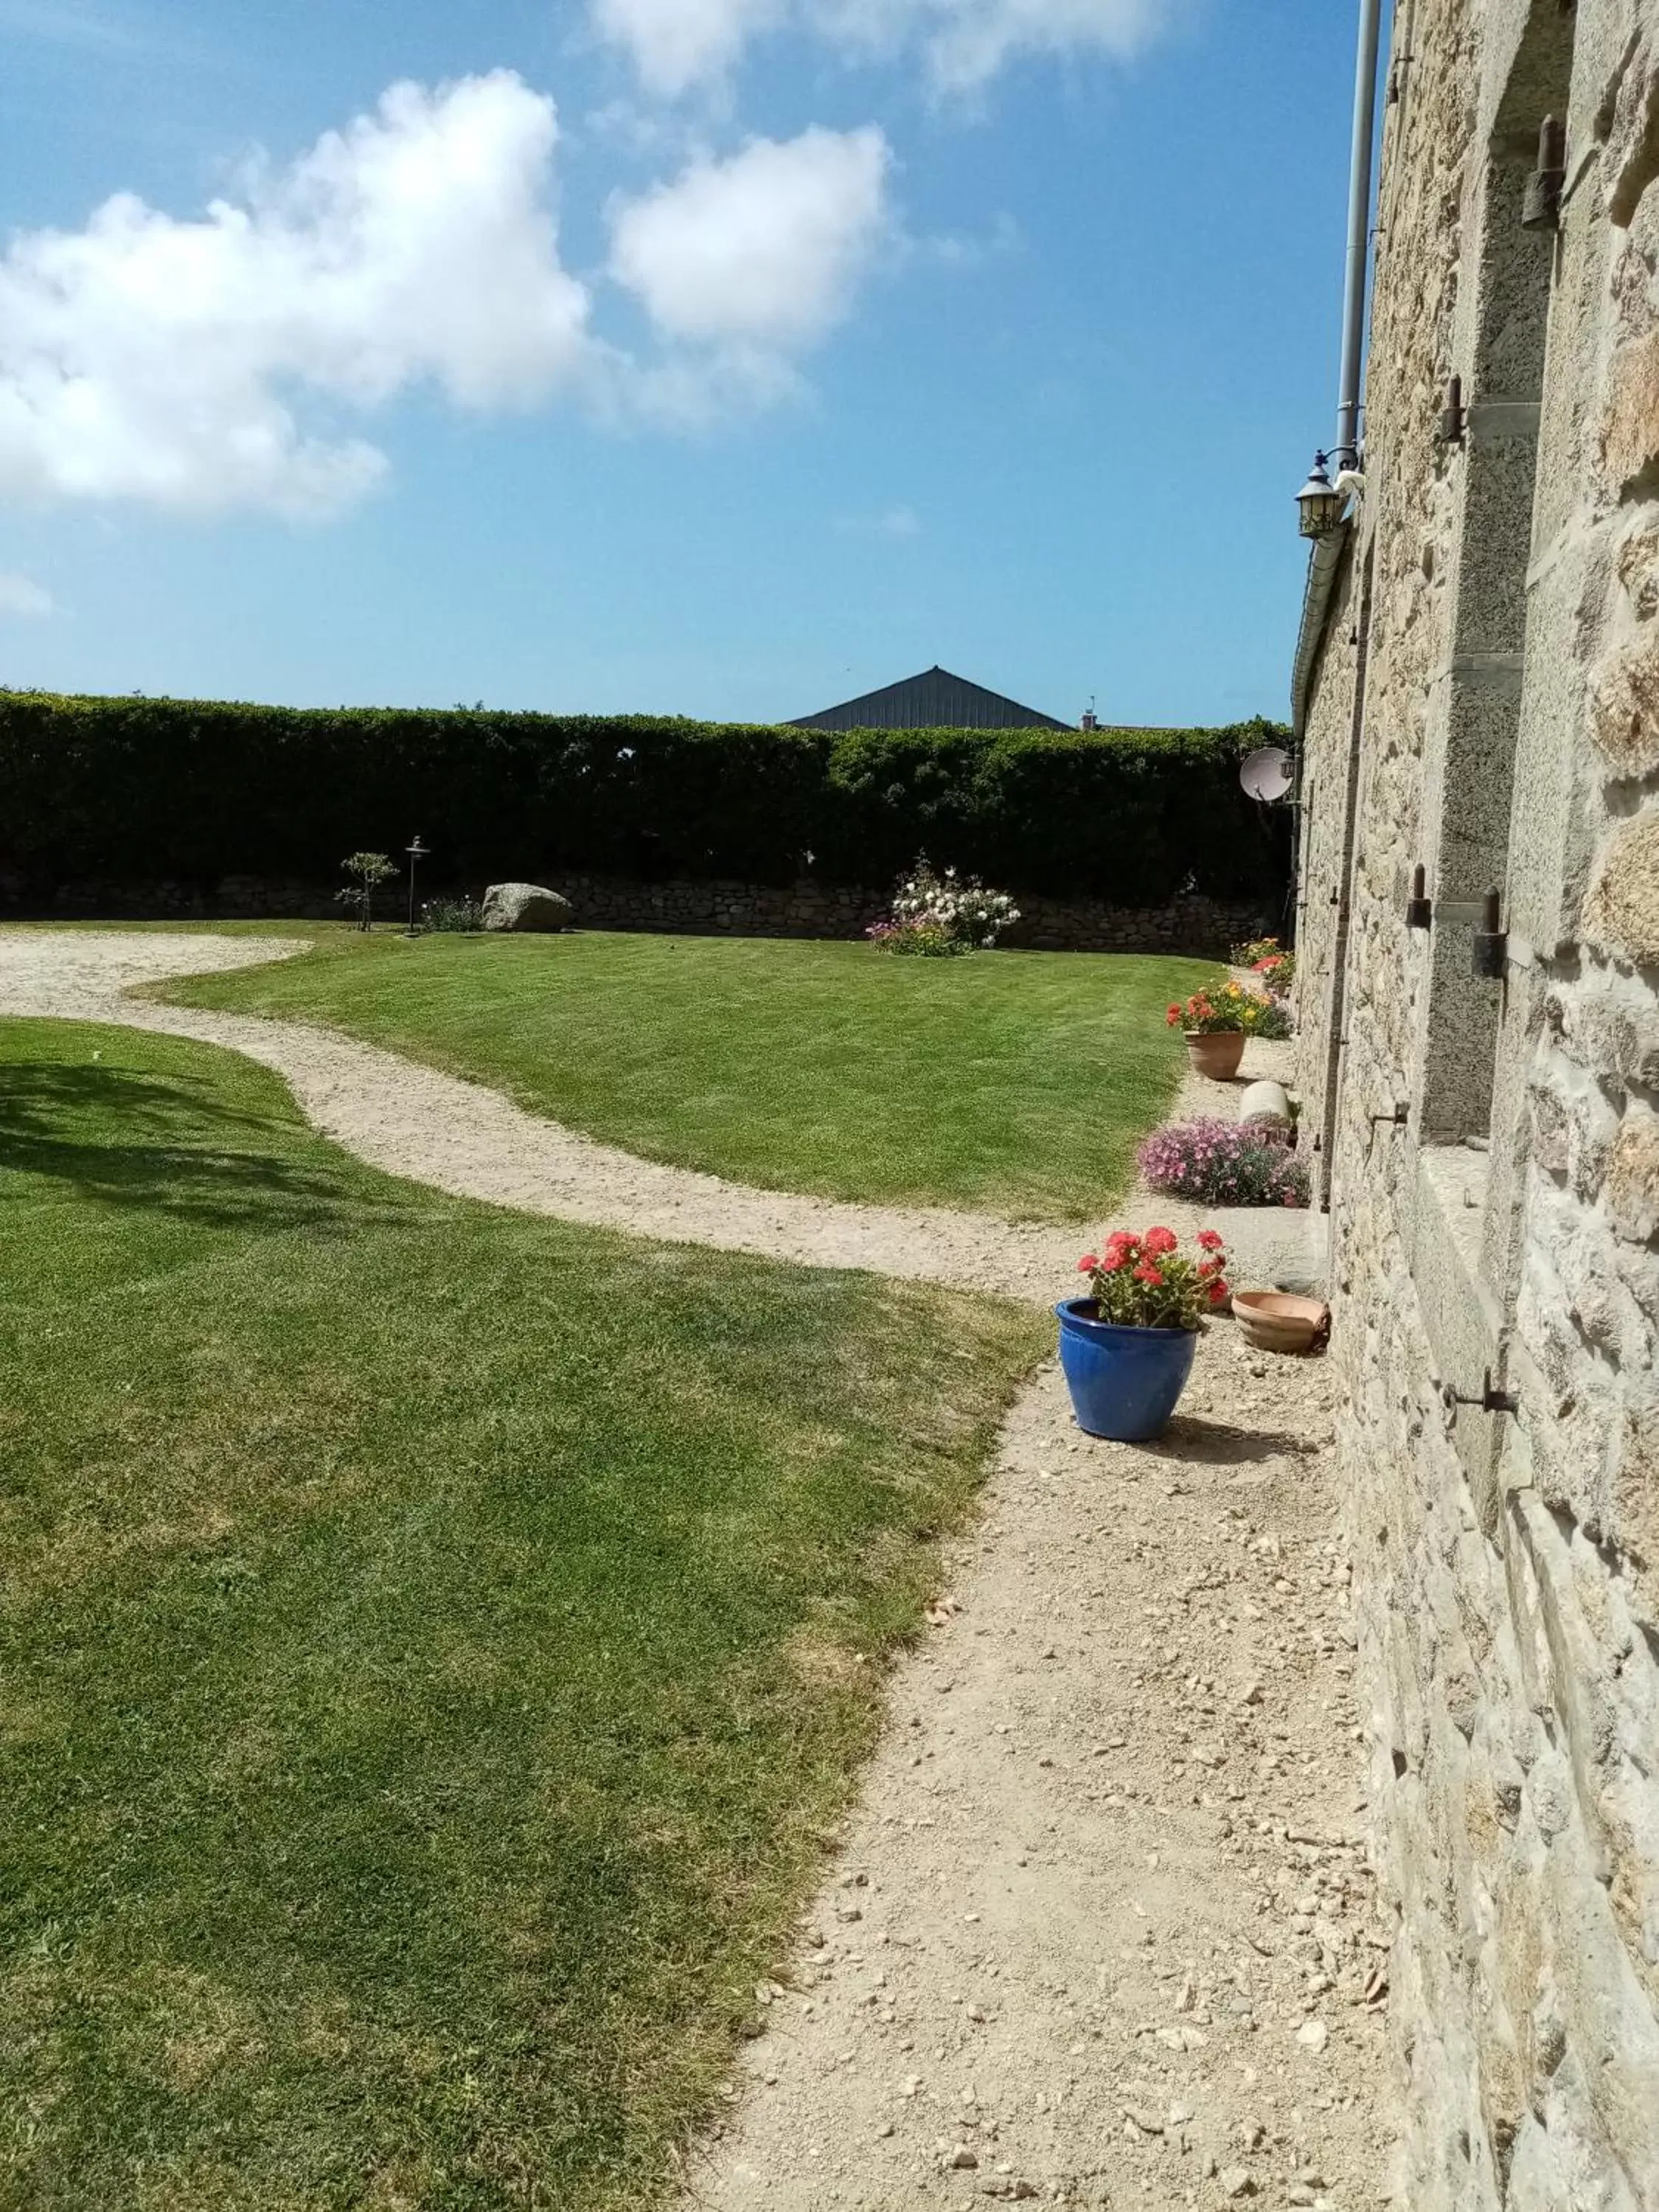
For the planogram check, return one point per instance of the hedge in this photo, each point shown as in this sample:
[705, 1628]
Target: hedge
[127, 790]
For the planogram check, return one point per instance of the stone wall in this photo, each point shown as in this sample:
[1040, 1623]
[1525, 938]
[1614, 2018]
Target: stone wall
[1507, 1559]
[1201, 927]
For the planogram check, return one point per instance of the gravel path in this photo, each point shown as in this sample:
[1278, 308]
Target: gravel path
[1102, 1930]
[462, 1138]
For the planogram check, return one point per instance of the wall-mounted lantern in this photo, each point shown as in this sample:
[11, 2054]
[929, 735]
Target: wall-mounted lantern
[1320, 503]
[1540, 208]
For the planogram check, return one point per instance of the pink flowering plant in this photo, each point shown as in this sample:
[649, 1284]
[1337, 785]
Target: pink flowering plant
[1225, 1164]
[1146, 1281]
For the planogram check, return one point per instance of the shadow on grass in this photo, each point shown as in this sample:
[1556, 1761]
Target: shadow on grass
[170, 1146]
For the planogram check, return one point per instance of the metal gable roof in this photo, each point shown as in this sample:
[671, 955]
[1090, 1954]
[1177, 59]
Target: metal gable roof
[935, 700]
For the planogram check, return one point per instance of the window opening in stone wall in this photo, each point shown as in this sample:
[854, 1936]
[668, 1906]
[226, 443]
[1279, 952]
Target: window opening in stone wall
[1470, 770]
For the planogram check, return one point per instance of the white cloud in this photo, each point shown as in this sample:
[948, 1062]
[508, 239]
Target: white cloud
[22, 597]
[676, 43]
[56, 22]
[152, 359]
[896, 523]
[760, 253]
[202, 366]
[966, 42]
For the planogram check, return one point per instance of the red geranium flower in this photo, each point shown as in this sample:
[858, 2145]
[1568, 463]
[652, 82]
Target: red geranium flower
[1087, 1264]
[1160, 1241]
[1209, 1240]
[1145, 1273]
[1219, 1292]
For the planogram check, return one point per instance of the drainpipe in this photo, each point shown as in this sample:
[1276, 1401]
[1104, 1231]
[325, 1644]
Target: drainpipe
[1347, 456]
[1360, 234]
[1337, 1038]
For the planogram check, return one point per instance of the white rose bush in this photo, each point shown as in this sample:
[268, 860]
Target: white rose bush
[941, 917]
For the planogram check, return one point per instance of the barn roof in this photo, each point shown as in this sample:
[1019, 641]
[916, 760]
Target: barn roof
[935, 700]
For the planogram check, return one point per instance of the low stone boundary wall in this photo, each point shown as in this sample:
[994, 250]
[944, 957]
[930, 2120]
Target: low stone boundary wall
[1195, 925]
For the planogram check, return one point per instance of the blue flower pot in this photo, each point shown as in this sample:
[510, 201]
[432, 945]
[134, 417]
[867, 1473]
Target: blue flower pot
[1124, 1382]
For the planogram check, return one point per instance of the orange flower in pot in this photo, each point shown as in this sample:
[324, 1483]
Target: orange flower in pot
[1216, 1024]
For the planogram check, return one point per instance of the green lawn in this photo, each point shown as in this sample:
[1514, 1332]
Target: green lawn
[433, 1645]
[1018, 1083]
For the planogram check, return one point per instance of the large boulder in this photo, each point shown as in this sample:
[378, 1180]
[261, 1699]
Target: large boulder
[524, 907]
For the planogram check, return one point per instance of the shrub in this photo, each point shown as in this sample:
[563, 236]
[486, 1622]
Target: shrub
[1225, 1163]
[918, 940]
[937, 916]
[1229, 1009]
[452, 916]
[1148, 1282]
[204, 790]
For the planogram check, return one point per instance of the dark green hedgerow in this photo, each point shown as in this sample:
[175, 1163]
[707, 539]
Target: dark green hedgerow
[129, 788]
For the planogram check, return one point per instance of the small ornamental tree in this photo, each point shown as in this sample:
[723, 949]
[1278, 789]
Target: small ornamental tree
[364, 871]
[1149, 1282]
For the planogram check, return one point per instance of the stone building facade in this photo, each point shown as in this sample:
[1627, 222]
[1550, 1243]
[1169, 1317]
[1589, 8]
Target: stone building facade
[1477, 691]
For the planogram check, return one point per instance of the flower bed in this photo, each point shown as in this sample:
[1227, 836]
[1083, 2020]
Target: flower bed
[1225, 1163]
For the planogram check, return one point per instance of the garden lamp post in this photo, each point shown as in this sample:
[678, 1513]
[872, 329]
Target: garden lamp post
[416, 852]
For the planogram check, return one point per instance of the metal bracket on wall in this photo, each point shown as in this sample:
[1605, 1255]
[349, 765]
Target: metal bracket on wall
[1419, 908]
[1397, 1117]
[1541, 206]
[1492, 1400]
[1491, 953]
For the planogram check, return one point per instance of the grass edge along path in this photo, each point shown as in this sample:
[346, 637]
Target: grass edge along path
[1011, 1083]
[436, 1645]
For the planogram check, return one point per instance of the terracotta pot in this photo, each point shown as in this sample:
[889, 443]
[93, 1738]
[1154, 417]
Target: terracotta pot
[1216, 1053]
[1272, 1322]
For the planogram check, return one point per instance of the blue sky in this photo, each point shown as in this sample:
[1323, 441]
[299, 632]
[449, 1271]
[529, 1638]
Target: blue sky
[873, 333]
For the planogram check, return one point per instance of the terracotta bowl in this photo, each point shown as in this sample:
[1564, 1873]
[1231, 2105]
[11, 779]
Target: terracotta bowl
[1273, 1321]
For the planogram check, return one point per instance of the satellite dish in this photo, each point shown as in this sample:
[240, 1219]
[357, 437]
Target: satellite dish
[1268, 774]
